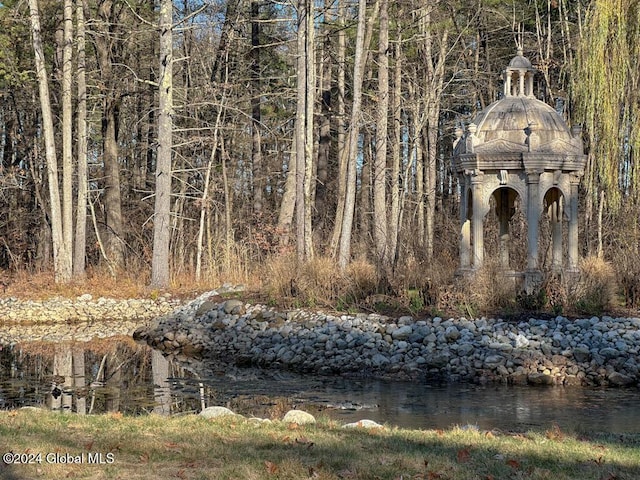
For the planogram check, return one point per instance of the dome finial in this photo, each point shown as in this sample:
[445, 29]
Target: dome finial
[519, 39]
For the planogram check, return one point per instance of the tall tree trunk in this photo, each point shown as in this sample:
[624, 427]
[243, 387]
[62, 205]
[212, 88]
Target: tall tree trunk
[394, 217]
[433, 85]
[67, 127]
[324, 137]
[114, 245]
[304, 128]
[380, 234]
[79, 253]
[112, 199]
[258, 175]
[344, 252]
[61, 251]
[341, 128]
[160, 276]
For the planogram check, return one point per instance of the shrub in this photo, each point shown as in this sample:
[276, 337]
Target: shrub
[318, 282]
[489, 290]
[594, 291]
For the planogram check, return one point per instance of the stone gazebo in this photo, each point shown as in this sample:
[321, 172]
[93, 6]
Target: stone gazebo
[519, 147]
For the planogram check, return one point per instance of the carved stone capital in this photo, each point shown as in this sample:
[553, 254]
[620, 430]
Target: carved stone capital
[533, 176]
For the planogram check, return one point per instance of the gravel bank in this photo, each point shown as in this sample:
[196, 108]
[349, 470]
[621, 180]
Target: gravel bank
[589, 351]
[80, 319]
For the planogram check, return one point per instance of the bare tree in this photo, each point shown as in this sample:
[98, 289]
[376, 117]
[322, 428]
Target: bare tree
[67, 127]
[79, 252]
[380, 163]
[304, 127]
[61, 250]
[160, 275]
[344, 252]
[111, 104]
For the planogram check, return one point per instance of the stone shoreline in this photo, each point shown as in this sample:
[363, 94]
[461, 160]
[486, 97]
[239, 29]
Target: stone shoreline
[590, 351]
[79, 319]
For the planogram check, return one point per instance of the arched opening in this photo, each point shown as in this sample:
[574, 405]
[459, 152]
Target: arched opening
[554, 208]
[505, 229]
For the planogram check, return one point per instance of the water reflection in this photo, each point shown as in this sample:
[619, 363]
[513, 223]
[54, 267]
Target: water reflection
[118, 375]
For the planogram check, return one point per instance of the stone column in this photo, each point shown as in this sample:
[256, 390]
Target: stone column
[503, 219]
[521, 84]
[556, 234]
[533, 217]
[573, 224]
[465, 226]
[530, 85]
[477, 220]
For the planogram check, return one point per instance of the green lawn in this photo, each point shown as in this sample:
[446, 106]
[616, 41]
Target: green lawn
[190, 447]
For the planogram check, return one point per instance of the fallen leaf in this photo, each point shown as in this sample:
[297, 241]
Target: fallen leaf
[144, 458]
[433, 475]
[173, 447]
[271, 467]
[513, 464]
[89, 445]
[181, 474]
[304, 441]
[464, 455]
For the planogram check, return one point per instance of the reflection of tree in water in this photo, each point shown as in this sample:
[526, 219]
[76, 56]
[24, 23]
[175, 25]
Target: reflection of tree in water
[113, 374]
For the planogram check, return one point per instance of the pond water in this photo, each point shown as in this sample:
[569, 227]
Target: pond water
[117, 374]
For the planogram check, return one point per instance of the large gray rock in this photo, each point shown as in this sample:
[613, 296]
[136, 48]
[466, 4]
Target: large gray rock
[620, 380]
[364, 423]
[216, 412]
[299, 417]
[402, 333]
[540, 379]
[234, 306]
[581, 354]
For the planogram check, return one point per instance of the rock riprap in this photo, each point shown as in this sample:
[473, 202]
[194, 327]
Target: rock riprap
[559, 351]
[81, 318]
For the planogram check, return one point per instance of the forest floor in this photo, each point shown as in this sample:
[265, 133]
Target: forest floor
[42, 444]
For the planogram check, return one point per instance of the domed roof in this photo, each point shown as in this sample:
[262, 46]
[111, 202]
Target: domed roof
[507, 124]
[518, 123]
[520, 61]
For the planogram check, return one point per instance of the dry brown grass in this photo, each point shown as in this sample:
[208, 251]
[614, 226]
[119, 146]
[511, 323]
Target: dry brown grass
[25, 285]
[318, 282]
[595, 290]
[489, 290]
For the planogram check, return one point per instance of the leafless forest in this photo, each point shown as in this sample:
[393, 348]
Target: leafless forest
[304, 145]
